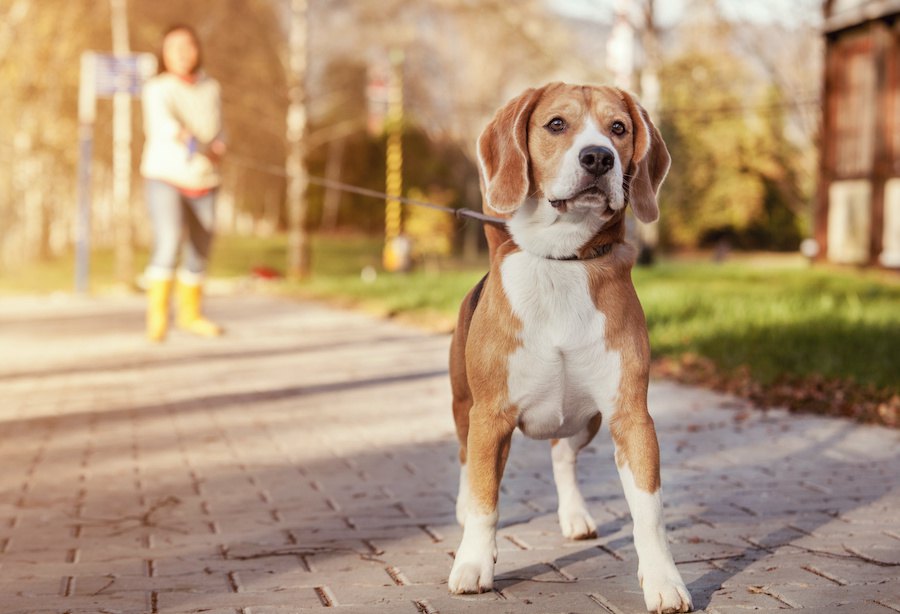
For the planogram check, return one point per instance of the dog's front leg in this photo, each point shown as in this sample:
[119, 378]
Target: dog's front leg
[637, 458]
[488, 447]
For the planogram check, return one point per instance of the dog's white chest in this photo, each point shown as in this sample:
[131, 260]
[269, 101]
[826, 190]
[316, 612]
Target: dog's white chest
[563, 373]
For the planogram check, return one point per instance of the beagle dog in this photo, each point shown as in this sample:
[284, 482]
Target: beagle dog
[554, 334]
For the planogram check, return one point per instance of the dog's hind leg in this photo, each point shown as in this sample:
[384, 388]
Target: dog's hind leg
[574, 519]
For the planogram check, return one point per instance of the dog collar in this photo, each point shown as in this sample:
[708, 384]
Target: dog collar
[595, 252]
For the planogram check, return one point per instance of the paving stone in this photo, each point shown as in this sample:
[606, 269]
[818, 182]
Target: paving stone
[307, 462]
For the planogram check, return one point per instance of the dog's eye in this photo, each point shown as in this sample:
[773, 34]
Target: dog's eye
[557, 124]
[618, 128]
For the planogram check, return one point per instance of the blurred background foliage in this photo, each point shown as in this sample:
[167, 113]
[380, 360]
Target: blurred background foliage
[739, 105]
[738, 112]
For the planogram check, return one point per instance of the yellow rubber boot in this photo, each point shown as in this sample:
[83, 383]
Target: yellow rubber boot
[190, 298]
[158, 295]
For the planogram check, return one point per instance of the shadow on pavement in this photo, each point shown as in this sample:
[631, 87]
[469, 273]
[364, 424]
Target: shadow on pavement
[225, 499]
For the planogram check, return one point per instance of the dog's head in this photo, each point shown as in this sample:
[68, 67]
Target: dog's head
[562, 160]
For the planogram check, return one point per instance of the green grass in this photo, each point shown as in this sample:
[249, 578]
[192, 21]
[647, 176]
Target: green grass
[57, 275]
[427, 297]
[232, 257]
[775, 321]
[791, 321]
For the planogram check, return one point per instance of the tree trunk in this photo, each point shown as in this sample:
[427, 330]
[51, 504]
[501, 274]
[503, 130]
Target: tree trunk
[295, 167]
[122, 152]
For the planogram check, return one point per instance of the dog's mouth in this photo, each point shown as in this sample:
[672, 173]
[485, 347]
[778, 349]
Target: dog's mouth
[592, 194]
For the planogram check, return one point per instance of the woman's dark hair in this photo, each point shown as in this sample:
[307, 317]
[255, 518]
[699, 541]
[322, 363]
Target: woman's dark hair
[179, 27]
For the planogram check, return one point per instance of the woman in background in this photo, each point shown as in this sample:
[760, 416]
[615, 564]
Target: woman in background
[183, 146]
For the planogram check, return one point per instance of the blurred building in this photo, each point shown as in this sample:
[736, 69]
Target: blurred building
[858, 210]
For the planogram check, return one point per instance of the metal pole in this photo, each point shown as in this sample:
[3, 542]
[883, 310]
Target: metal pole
[87, 104]
[83, 242]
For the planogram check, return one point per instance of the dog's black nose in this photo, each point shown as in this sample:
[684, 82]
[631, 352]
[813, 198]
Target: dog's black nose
[596, 160]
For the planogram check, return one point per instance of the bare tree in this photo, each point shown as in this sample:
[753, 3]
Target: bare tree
[122, 167]
[298, 177]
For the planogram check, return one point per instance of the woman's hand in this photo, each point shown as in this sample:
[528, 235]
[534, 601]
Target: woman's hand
[216, 150]
[184, 135]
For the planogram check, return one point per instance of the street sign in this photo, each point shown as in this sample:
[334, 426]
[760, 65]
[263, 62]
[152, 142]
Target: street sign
[123, 74]
[105, 75]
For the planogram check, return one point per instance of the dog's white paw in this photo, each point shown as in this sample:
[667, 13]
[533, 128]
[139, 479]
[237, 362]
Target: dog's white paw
[473, 572]
[473, 567]
[576, 522]
[665, 592]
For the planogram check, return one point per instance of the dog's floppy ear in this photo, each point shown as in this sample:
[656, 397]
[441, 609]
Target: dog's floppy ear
[503, 153]
[649, 163]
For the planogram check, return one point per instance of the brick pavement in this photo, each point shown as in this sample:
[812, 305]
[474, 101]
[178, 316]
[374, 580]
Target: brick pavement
[306, 462]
